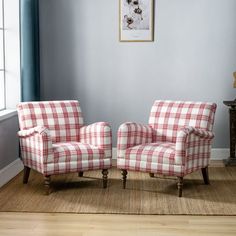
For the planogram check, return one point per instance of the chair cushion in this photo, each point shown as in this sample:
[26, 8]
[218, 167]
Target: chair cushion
[75, 151]
[160, 152]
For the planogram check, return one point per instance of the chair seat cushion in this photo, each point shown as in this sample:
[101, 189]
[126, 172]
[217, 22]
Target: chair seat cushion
[76, 151]
[160, 152]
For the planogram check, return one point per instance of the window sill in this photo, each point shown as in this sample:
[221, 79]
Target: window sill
[6, 114]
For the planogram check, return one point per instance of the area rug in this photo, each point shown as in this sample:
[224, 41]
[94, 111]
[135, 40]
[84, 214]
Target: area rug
[144, 195]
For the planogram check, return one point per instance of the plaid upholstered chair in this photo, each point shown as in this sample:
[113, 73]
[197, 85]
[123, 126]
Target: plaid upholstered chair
[176, 142]
[54, 140]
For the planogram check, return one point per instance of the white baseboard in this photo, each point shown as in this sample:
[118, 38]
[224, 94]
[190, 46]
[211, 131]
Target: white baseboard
[10, 171]
[217, 154]
[114, 154]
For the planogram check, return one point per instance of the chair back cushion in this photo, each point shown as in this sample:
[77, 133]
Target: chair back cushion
[167, 117]
[62, 118]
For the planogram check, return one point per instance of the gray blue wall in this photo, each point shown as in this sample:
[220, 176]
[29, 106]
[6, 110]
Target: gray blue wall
[192, 58]
[8, 141]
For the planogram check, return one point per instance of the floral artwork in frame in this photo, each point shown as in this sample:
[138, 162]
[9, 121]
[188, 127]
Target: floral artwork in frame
[136, 20]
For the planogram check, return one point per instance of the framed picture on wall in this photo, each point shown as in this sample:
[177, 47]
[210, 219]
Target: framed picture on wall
[136, 20]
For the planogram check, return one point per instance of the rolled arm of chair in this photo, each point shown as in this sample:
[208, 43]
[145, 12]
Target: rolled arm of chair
[131, 134]
[185, 131]
[36, 147]
[98, 134]
[192, 142]
[36, 130]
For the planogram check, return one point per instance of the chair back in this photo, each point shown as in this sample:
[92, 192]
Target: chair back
[62, 118]
[167, 117]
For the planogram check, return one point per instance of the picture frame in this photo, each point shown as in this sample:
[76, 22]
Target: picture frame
[136, 20]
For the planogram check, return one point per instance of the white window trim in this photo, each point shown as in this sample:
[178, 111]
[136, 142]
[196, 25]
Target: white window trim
[6, 114]
[3, 50]
[12, 58]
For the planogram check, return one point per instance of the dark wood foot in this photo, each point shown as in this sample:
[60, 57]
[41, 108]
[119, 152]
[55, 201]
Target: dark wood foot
[124, 177]
[47, 181]
[81, 173]
[205, 175]
[104, 177]
[151, 175]
[26, 174]
[180, 186]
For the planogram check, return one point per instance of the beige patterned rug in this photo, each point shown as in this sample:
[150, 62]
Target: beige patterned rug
[144, 195]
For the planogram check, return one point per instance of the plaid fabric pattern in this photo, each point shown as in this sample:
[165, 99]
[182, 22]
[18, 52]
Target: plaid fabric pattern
[131, 134]
[167, 117]
[62, 118]
[52, 136]
[152, 152]
[36, 147]
[193, 148]
[150, 167]
[74, 166]
[75, 151]
[98, 134]
[76, 156]
[181, 142]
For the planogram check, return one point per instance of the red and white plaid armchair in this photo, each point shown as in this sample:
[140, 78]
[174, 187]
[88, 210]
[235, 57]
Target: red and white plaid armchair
[54, 140]
[176, 142]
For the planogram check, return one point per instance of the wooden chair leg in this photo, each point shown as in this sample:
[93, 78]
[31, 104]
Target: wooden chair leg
[180, 186]
[104, 177]
[205, 175]
[26, 174]
[47, 181]
[151, 175]
[124, 177]
[81, 173]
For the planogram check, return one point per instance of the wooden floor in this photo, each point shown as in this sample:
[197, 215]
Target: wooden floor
[24, 224]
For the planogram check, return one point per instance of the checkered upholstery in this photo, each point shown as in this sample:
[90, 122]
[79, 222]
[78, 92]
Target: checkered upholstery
[153, 152]
[131, 134]
[98, 134]
[36, 148]
[167, 117]
[176, 142]
[62, 118]
[53, 139]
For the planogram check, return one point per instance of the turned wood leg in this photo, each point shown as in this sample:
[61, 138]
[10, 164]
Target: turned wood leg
[124, 177]
[81, 173]
[205, 175]
[47, 181]
[26, 174]
[151, 175]
[104, 177]
[180, 186]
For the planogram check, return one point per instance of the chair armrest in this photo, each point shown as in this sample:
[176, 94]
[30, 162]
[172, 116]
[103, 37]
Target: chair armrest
[36, 147]
[98, 134]
[185, 131]
[29, 132]
[192, 143]
[131, 134]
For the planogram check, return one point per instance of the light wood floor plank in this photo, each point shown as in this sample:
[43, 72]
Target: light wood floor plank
[40, 224]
